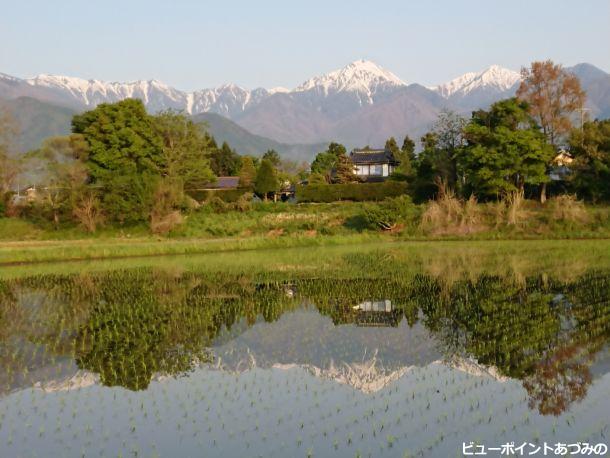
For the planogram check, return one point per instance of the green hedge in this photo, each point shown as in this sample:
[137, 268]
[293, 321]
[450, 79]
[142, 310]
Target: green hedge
[349, 191]
[227, 195]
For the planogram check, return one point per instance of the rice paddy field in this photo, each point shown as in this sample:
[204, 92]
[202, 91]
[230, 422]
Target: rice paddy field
[379, 349]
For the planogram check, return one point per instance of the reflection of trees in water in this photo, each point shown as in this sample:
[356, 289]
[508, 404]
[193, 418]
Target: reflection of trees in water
[527, 333]
[561, 377]
[130, 325]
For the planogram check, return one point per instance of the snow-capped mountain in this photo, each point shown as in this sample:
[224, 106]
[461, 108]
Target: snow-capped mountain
[227, 100]
[475, 90]
[362, 76]
[361, 103]
[89, 93]
[493, 78]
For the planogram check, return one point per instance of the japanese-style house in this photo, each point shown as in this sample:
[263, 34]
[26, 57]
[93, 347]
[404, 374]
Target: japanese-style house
[376, 313]
[373, 164]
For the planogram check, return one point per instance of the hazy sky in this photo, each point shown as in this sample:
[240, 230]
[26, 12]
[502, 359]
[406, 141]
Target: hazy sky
[197, 44]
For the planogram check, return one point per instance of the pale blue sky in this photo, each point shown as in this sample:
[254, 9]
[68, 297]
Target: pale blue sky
[196, 44]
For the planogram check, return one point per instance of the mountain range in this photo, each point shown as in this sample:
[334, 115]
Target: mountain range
[359, 104]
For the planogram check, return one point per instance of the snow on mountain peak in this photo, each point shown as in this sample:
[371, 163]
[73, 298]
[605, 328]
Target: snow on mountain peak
[360, 76]
[495, 77]
[278, 90]
[362, 80]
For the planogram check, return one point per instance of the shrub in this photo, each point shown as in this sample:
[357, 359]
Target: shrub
[218, 205]
[565, 207]
[450, 215]
[165, 215]
[87, 211]
[244, 203]
[388, 214]
[349, 191]
[380, 217]
[166, 223]
[514, 207]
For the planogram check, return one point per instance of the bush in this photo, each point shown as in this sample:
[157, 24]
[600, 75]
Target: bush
[389, 213]
[87, 211]
[567, 208]
[165, 223]
[380, 218]
[358, 192]
[218, 205]
[450, 215]
[244, 203]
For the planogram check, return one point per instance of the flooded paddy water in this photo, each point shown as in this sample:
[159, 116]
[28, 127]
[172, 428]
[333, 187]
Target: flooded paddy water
[395, 349]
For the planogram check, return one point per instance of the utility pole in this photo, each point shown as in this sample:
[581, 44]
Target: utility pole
[582, 111]
[582, 116]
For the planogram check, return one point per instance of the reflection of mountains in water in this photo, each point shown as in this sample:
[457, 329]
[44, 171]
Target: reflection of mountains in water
[367, 359]
[535, 331]
[368, 376]
[306, 337]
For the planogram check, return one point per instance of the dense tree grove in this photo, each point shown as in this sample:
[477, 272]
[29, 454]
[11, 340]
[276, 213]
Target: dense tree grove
[504, 150]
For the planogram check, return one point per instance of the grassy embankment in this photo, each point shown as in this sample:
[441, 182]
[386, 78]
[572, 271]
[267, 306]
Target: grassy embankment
[285, 225]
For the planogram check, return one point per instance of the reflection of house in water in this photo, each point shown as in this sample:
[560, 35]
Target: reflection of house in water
[376, 313]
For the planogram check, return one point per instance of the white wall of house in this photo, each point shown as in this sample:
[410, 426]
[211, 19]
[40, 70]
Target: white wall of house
[376, 170]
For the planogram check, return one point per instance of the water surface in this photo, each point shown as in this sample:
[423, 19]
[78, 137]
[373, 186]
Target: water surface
[375, 350]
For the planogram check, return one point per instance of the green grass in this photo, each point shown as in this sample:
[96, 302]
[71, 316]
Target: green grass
[276, 225]
[67, 250]
[327, 256]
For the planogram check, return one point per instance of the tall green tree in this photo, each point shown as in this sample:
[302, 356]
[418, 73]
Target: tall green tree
[225, 161]
[9, 165]
[125, 156]
[122, 139]
[273, 156]
[448, 130]
[505, 150]
[266, 179]
[406, 157]
[431, 167]
[590, 148]
[326, 161]
[344, 170]
[408, 148]
[247, 174]
[392, 146]
[185, 149]
[336, 148]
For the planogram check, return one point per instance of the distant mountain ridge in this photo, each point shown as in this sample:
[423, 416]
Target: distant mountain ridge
[361, 103]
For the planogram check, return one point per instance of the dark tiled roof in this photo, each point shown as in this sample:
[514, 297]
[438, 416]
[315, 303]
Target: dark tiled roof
[372, 156]
[224, 183]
